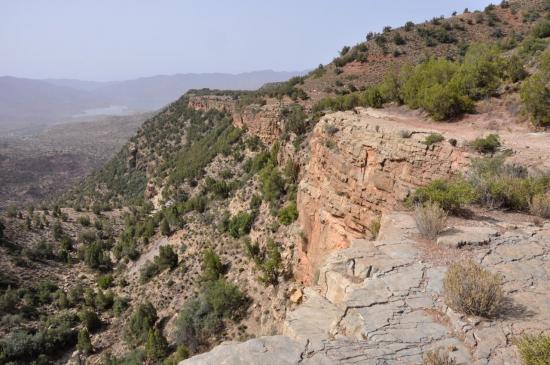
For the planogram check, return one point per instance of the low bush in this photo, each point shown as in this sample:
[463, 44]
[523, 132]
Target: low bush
[90, 320]
[430, 219]
[488, 144]
[288, 214]
[374, 227]
[240, 224]
[84, 343]
[212, 267]
[535, 93]
[105, 281]
[472, 290]
[499, 185]
[156, 346]
[433, 138]
[142, 320]
[534, 350]
[540, 205]
[451, 195]
[271, 264]
[148, 271]
[202, 318]
[84, 221]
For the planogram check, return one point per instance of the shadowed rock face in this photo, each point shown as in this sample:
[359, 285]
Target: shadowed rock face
[362, 164]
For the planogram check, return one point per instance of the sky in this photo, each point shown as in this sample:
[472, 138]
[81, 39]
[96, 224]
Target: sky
[107, 40]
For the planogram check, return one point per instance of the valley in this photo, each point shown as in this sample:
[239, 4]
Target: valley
[390, 207]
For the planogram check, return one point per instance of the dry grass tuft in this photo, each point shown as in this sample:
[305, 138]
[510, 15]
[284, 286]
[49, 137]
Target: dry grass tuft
[438, 357]
[540, 205]
[431, 219]
[472, 290]
[534, 350]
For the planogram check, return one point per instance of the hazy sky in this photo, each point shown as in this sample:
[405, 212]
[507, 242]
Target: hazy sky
[121, 39]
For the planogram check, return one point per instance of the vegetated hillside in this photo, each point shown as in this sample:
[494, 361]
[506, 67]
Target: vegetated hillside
[211, 219]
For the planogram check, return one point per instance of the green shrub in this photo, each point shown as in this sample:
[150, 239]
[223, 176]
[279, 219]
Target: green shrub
[167, 258]
[472, 290]
[295, 119]
[84, 344]
[450, 195]
[202, 318]
[428, 86]
[84, 221]
[288, 214]
[105, 281]
[272, 183]
[142, 320]
[240, 224]
[433, 138]
[212, 267]
[541, 29]
[534, 350]
[104, 300]
[120, 305]
[54, 334]
[96, 257]
[271, 266]
[489, 144]
[165, 227]
[89, 320]
[500, 185]
[535, 95]
[148, 271]
[515, 70]
[156, 347]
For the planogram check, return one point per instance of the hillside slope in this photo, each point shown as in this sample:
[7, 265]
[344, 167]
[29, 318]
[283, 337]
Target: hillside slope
[386, 217]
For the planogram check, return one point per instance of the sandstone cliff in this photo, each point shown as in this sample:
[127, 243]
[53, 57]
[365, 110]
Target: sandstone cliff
[263, 121]
[362, 164]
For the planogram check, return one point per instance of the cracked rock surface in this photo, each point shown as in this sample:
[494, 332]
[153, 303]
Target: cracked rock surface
[381, 302]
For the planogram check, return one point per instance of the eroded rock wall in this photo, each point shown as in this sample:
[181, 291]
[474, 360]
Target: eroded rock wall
[263, 121]
[362, 164]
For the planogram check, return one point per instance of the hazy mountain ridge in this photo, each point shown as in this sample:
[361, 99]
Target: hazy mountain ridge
[28, 102]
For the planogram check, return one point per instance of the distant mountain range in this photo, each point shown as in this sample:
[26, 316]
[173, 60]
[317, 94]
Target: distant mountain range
[26, 103]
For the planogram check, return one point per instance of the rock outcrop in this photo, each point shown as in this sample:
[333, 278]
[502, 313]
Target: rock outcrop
[362, 164]
[264, 121]
[382, 302]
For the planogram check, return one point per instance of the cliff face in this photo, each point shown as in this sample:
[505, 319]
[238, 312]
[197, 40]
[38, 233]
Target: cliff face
[362, 165]
[263, 121]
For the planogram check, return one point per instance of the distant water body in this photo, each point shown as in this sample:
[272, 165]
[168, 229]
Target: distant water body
[110, 110]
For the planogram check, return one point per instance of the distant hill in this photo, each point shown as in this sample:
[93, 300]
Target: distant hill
[27, 103]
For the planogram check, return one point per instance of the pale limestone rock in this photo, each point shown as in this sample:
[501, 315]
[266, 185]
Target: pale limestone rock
[274, 350]
[462, 236]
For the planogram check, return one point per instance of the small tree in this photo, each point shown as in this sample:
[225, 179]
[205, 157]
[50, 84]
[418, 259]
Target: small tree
[141, 321]
[211, 266]
[84, 344]
[167, 258]
[272, 266]
[157, 346]
[165, 227]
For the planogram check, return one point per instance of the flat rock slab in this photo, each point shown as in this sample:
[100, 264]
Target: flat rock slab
[271, 350]
[461, 236]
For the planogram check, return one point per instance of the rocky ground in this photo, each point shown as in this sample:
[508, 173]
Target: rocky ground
[381, 302]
